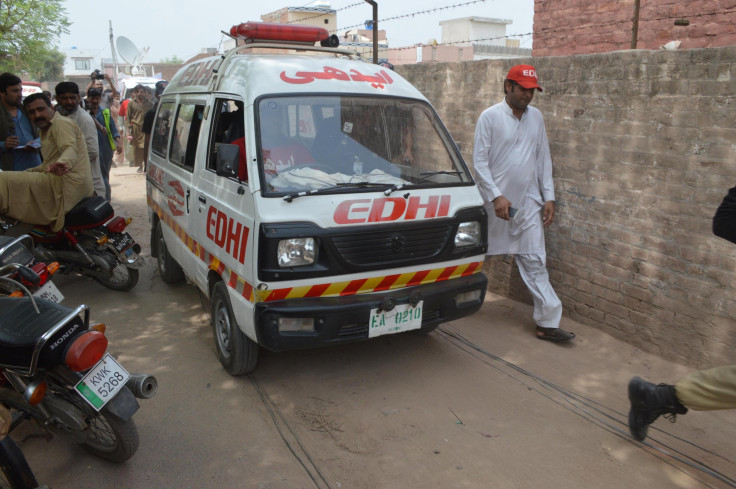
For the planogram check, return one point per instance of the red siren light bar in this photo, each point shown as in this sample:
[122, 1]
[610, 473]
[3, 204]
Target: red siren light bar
[263, 31]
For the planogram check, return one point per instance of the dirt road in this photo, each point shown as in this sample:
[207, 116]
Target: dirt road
[480, 403]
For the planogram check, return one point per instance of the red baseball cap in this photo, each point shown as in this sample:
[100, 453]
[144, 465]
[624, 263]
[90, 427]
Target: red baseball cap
[524, 75]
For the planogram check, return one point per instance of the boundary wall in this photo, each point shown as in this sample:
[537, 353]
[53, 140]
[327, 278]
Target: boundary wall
[644, 149]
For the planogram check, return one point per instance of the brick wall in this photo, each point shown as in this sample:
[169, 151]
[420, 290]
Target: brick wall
[564, 27]
[644, 149]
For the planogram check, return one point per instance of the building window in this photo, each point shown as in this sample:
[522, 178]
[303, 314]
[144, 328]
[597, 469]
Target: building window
[81, 64]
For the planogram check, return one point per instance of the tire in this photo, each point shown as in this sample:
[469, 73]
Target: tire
[111, 438]
[104, 434]
[16, 473]
[170, 271]
[237, 353]
[122, 278]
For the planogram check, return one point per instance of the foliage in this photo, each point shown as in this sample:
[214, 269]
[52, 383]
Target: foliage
[28, 30]
[173, 60]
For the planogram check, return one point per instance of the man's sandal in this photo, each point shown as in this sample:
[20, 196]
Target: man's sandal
[556, 335]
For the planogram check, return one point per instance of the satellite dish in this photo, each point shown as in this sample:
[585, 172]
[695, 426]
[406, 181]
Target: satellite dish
[127, 50]
[131, 55]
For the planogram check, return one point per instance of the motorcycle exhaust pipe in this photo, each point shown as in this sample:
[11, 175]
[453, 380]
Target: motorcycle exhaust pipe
[143, 386]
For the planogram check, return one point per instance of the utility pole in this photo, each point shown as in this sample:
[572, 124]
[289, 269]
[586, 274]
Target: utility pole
[114, 58]
[635, 30]
[375, 30]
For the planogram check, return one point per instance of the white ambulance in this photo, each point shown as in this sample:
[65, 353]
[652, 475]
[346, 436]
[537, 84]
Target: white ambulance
[314, 198]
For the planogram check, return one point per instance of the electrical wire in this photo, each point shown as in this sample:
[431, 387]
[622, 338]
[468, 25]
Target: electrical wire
[587, 409]
[412, 14]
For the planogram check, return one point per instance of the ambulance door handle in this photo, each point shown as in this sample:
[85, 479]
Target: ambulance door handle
[203, 199]
[187, 201]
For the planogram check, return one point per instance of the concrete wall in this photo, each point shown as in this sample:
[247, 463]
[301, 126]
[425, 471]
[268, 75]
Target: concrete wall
[644, 149]
[564, 27]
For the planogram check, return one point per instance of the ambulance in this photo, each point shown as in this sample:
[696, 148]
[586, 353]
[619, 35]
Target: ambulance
[314, 198]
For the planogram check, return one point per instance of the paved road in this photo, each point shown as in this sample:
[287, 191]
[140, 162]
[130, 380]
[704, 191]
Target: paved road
[478, 403]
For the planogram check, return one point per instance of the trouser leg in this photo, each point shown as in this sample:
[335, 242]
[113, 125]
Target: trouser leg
[138, 155]
[547, 306]
[708, 390]
[105, 169]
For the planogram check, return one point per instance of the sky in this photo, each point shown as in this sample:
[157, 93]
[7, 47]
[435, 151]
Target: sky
[184, 27]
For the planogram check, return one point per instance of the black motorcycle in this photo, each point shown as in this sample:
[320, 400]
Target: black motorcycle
[54, 368]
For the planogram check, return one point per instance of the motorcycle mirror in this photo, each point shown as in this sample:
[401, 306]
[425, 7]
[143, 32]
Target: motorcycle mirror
[29, 275]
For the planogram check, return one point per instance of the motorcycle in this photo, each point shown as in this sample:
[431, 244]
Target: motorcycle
[92, 242]
[55, 369]
[19, 251]
[15, 473]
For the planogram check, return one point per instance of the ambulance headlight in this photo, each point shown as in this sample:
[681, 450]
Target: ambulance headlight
[296, 252]
[468, 234]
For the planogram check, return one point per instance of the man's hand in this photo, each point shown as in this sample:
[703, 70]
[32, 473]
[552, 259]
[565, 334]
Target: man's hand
[501, 206]
[59, 168]
[118, 146]
[549, 212]
[11, 142]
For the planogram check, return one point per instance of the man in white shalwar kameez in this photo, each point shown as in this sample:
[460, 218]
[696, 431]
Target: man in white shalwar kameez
[514, 170]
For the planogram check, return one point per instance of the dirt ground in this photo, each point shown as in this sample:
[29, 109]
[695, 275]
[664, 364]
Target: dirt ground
[479, 403]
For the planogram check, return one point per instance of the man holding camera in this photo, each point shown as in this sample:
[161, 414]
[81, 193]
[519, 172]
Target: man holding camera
[96, 82]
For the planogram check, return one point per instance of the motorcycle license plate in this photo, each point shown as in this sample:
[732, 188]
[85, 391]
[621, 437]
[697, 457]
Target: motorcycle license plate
[102, 382]
[50, 292]
[122, 242]
[403, 317]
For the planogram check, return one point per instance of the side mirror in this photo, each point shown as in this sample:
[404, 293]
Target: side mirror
[228, 156]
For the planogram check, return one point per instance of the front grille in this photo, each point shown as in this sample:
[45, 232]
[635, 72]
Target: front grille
[389, 247]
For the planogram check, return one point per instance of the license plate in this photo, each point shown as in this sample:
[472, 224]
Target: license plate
[50, 292]
[404, 317]
[122, 241]
[103, 382]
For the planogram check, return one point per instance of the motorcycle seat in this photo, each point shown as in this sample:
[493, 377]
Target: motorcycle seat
[21, 329]
[89, 212]
[20, 326]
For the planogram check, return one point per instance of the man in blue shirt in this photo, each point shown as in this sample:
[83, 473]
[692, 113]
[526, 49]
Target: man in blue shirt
[19, 140]
[108, 137]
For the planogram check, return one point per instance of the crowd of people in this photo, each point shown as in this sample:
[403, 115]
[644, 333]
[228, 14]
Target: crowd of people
[28, 145]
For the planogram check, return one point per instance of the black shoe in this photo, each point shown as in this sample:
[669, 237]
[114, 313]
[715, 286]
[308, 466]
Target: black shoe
[648, 402]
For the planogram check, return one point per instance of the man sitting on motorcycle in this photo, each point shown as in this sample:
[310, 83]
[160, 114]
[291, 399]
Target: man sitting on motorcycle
[44, 194]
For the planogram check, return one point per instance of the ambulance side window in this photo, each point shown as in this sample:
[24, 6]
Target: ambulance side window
[185, 135]
[162, 124]
[228, 128]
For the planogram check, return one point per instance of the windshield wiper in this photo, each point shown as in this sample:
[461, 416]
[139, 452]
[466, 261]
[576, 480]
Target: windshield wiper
[389, 188]
[426, 175]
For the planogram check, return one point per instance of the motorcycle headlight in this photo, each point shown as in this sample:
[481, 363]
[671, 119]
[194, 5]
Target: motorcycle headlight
[296, 252]
[468, 234]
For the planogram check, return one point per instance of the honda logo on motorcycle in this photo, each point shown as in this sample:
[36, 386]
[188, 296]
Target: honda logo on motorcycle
[386, 209]
[64, 337]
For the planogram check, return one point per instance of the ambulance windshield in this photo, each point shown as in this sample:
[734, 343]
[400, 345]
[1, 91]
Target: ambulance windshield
[325, 142]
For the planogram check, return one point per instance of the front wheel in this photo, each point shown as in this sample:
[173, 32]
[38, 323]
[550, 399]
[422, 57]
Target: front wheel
[237, 353]
[16, 473]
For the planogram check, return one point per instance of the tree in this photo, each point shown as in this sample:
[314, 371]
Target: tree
[28, 29]
[172, 60]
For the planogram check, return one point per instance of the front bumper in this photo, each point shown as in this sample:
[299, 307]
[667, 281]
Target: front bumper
[345, 319]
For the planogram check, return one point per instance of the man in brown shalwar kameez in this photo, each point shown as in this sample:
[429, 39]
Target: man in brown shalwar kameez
[44, 194]
[137, 108]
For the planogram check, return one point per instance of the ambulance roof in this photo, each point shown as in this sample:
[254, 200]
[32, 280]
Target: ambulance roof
[254, 75]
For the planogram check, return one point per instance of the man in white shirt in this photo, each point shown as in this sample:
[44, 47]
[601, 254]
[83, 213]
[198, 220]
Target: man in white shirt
[514, 172]
[67, 96]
